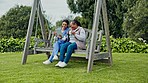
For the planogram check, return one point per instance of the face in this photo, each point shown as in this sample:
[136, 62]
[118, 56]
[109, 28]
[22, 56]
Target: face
[64, 25]
[73, 26]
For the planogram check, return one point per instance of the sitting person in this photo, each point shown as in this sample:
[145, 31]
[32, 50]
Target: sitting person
[76, 41]
[59, 40]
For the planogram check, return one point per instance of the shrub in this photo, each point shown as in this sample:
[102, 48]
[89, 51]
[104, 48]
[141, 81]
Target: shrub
[13, 45]
[120, 45]
[125, 45]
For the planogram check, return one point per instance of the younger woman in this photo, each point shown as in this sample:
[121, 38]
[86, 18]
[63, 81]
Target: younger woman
[60, 39]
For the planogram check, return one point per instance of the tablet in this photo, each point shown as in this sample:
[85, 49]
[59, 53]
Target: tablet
[58, 31]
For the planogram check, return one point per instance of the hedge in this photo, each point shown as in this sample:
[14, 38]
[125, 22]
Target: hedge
[125, 45]
[120, 45]
[13, 45]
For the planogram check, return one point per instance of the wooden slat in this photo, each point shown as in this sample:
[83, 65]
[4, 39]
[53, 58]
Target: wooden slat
[44, 49]
[99, 56]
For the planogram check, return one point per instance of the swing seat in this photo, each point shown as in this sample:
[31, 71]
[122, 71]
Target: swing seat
[48, 46]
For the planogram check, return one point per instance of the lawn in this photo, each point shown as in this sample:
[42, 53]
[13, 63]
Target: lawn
[127, 68]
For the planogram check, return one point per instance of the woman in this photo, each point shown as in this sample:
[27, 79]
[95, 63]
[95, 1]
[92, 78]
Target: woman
[60, 39]
[76, 40]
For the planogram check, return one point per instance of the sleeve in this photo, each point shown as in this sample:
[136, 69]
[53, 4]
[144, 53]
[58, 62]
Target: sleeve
[81, 36]
[65, 35]
[64, 38]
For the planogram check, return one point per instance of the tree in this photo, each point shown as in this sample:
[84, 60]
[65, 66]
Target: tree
[15, 22]
[84, 22]
[85, 7]
[136, 20]
[59, 22]
[115, 13]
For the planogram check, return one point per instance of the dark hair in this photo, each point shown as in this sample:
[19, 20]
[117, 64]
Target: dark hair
[76, 22]
[66, 21]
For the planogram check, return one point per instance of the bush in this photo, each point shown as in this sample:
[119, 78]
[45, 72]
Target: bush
[125, 45]
[120, 45]
[13, 45]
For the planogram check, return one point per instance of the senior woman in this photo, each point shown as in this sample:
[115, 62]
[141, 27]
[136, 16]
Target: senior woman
[76, 41]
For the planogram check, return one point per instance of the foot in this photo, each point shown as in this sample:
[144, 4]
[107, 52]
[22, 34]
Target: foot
[46, 62]
[55, 57]
[63, 64]
[58, 63]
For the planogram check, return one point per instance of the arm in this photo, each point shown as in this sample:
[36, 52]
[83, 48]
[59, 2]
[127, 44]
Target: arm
[81, 36]
[65, 34]
[64, 38]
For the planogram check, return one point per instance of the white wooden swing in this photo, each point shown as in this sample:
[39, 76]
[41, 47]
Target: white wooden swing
[92, 53]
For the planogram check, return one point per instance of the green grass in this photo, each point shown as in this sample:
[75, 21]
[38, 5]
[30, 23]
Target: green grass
[127, 68]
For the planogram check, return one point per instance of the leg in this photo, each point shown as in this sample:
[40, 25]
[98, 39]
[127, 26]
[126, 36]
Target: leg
[70, 49]
[63, 50]
[55, 50]
[56, 47]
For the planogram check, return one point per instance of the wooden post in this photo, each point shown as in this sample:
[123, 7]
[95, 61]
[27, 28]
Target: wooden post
[106, 26]
[41, 20]
[94, 32]
[29, 31]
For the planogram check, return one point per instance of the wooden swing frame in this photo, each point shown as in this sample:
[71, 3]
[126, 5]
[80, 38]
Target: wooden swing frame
[90, 53]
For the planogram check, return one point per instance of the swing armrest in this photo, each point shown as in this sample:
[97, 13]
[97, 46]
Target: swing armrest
[42, 40]
[38, 41]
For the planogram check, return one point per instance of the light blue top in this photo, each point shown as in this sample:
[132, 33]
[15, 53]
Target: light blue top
[64, 35]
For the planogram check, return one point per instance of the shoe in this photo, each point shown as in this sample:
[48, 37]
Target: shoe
[46, 62]
[63, 64]
[58, 63]
[55, 57]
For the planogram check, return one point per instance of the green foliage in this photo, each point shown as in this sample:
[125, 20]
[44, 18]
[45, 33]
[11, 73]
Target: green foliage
[15, 22]
[59, 22]
[85, 7]
[114, 9]
[13, 45]
[136, 20]
[120, 45]
[125, 45]
[84, 22]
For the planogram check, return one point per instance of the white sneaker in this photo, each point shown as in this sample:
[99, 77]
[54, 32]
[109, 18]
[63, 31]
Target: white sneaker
[46, 62]
[58, 63]
[55, 57]
[63, 64]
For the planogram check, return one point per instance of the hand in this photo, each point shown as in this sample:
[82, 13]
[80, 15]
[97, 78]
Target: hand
[60, 36]
[55, 33]
[63, 28]
[73, 33]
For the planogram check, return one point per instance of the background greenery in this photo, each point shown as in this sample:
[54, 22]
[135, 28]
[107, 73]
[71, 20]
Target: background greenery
[15, 23]
[127, 20]
[119, 45]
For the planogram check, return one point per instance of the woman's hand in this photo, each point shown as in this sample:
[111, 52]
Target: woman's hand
[60, 36]
[73, 32]
[54, 33]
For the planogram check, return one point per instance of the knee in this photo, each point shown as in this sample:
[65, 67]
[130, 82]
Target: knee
[63, 47]
[70, 47]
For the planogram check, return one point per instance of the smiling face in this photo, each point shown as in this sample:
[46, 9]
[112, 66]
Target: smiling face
[73, 26]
